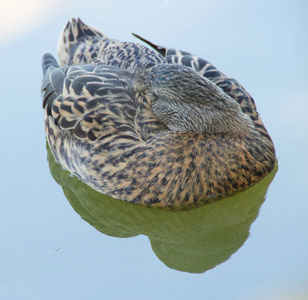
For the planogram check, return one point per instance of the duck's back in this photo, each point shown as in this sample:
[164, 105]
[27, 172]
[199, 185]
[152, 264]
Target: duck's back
[81, 44]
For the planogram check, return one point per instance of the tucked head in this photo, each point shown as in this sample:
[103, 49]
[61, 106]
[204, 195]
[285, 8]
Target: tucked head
[185, 101]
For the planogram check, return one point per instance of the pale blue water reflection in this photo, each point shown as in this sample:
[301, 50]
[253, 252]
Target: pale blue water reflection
[263, 45]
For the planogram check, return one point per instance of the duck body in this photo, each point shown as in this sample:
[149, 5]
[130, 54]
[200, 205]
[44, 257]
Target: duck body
[160, 128]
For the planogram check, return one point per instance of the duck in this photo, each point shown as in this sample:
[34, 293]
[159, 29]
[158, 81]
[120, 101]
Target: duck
[150, 125]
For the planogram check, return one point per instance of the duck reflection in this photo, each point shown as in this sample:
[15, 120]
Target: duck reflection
[194, 240]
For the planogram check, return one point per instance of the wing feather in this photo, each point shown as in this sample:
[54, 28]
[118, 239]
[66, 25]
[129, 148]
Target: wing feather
[91, 102]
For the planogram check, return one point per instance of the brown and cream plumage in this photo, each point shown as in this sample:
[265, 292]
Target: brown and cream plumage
[161, 128]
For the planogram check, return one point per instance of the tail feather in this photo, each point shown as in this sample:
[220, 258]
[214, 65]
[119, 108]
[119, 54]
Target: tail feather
[74, 32]
[52, 84]
[48, 61]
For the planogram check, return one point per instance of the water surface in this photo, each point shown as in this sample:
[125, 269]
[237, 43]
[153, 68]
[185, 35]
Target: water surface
[58, 244]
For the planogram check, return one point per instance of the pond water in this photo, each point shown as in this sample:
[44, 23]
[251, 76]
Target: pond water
[62, 240]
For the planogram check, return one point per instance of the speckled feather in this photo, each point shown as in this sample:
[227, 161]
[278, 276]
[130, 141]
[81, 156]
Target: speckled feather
[107, 123]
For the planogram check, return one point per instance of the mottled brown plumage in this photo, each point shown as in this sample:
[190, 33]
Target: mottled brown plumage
[161, 128]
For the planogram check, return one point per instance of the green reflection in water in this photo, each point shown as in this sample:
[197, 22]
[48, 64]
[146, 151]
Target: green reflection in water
[194, 240]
